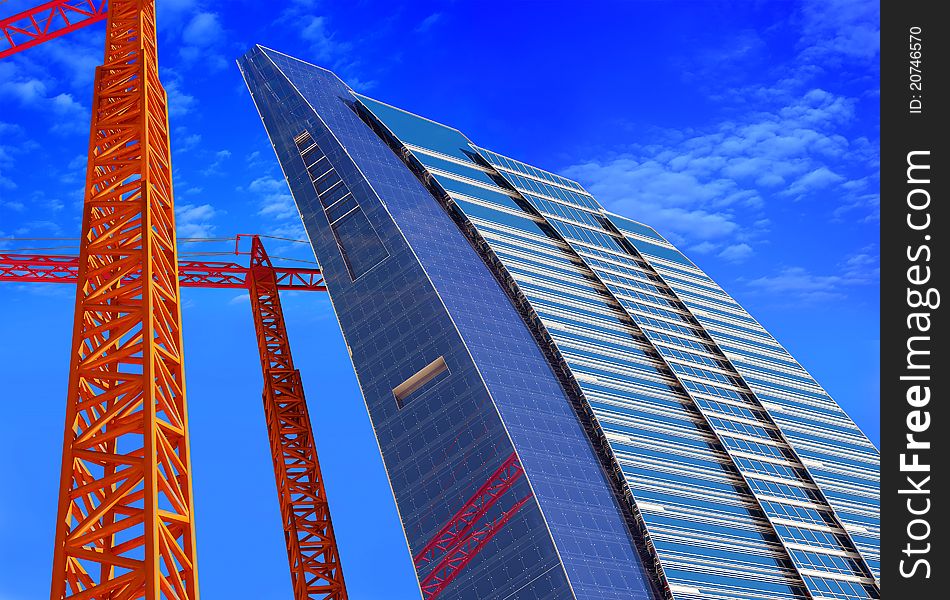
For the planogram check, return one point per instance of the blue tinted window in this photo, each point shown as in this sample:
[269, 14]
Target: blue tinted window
[661, 252]
[624, 224]
[414, 130]
[358, 242]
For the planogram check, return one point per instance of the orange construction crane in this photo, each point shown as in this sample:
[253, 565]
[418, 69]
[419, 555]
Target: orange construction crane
[125, 527]
[308, 530]
[311, 545]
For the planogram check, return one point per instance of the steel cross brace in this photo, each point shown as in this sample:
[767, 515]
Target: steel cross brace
[47, 21]
[456, 544]
[45, 268]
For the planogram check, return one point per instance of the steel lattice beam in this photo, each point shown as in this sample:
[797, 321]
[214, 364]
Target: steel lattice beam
[39, 268]
[458, 557]
[125, 527]
[474, 509]
[457, 543]
[47, 21]
[311, 545]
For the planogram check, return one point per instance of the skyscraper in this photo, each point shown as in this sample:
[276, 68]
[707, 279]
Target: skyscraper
[566, 406]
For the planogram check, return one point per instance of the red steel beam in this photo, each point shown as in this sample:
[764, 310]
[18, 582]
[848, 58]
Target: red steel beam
[47, 21]
[308, 530]
[458, 557]
[472, 511]
[39, 268]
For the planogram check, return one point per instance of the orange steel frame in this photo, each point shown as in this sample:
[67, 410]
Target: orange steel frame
[311, 545]
[125, 524]
[308, 531]
[51, 268]
[125, 527]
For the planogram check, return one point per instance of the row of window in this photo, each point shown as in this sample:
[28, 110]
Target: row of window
[570, 305]
[796, 388]
[840, 590]
[508, 164]
[562, 314]
[788, 492]
[731, 418]
[356, 239]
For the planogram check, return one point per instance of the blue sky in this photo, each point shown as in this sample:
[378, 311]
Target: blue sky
[746, 132]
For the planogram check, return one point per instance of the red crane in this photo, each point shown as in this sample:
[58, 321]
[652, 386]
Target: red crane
[125, 527]
[47, 268]
[47, 21]
[308, 530]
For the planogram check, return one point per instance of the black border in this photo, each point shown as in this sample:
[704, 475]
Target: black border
[903, 132]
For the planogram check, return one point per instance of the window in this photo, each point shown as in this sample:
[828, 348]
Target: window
[424, 380]
[355, 237]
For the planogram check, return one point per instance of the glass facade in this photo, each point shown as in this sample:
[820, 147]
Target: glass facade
[670, 447]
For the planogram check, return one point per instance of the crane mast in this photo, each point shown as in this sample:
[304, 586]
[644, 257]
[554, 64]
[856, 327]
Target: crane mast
[308, 531]
[125, 523]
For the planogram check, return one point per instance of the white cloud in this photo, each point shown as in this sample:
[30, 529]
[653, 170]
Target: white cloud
[260, 162]
[274, 199]
[323, 42]
[78, 163]
[65, 104]
[711, 185]
[26, 91]
[191, 213]
[39, 226]
[863, 266]
[798, 284]
[220, 157]
[789, 137]
[195, 221]
[201, 39]
[818, 107]
[171, 12]
[737, 252]
[75, 57]
[293, 230]
[278, 206]
[203, 30]
[11, 143]
[240, 299]
[837, 30]
[680, 204]
[33, 94]
[267, 185]
[820, 178]
[186, 141]
[428, 23]
[180, 103]
[703, 248]
[6, 158]
[326, 49]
